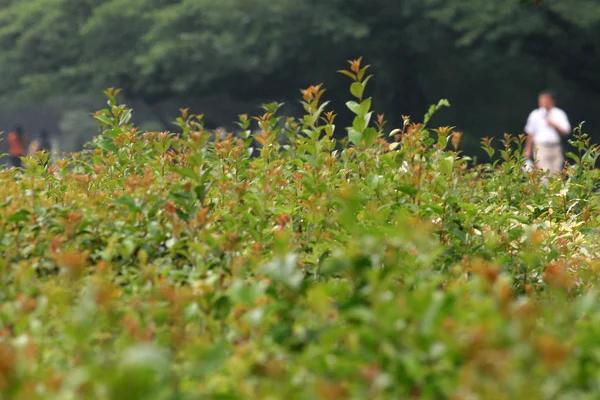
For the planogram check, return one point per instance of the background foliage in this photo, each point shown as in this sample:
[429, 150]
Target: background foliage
[489, 58]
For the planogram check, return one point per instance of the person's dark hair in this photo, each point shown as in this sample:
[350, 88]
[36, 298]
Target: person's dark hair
[19, 131]
[45, 143]
[550, 93]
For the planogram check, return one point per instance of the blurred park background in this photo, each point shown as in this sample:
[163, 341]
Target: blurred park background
[224, 57]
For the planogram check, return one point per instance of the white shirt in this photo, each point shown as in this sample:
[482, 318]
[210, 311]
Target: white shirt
[543, 133]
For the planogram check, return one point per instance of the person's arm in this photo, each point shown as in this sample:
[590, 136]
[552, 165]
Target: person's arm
[559, 121]
[530, 131]
[528, 147]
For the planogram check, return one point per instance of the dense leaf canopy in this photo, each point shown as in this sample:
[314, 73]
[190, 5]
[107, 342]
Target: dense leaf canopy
[164, 46]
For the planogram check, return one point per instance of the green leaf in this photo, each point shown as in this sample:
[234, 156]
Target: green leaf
[349, 74]
[520, 218]
[125, 117]
[127, 201]
[367, 118]
[196, 159]
[436, 208]
[410, 190]
[357, 90]
[21, 215]
[355, 137]
[127, 248]
[370, 136]
[515, 233]
[573, 157]
[365, 106]
[354, 107]
[360, 315]
[446, 165]
[103, 119]
[201, 191]
[222, 307]
[443, 141]
[458, 233]
[359, 124]
[187, 173]
[108, 145]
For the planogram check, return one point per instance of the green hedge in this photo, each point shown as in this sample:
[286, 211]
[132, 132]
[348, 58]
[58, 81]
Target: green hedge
[163, 266]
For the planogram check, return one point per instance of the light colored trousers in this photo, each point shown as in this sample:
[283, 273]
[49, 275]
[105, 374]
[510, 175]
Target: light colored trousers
[549, 158]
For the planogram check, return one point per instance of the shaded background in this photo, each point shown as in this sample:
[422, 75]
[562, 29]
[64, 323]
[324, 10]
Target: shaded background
[225, 57]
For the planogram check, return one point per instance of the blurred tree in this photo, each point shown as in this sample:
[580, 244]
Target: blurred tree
[559, 34]
[159, 47]
[160, 50]
[164, 47]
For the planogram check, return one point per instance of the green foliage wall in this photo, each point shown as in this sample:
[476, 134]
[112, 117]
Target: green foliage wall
[167, 267]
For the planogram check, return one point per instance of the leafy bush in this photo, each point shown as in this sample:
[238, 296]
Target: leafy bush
[164, 266]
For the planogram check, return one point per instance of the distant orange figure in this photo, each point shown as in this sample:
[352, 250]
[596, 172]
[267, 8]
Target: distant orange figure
[16, 146]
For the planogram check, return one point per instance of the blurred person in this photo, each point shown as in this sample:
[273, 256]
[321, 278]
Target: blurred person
[42, 143]
[16, 146]
[545, 128]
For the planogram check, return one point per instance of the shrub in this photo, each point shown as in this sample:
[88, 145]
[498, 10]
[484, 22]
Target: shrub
[175, 266]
